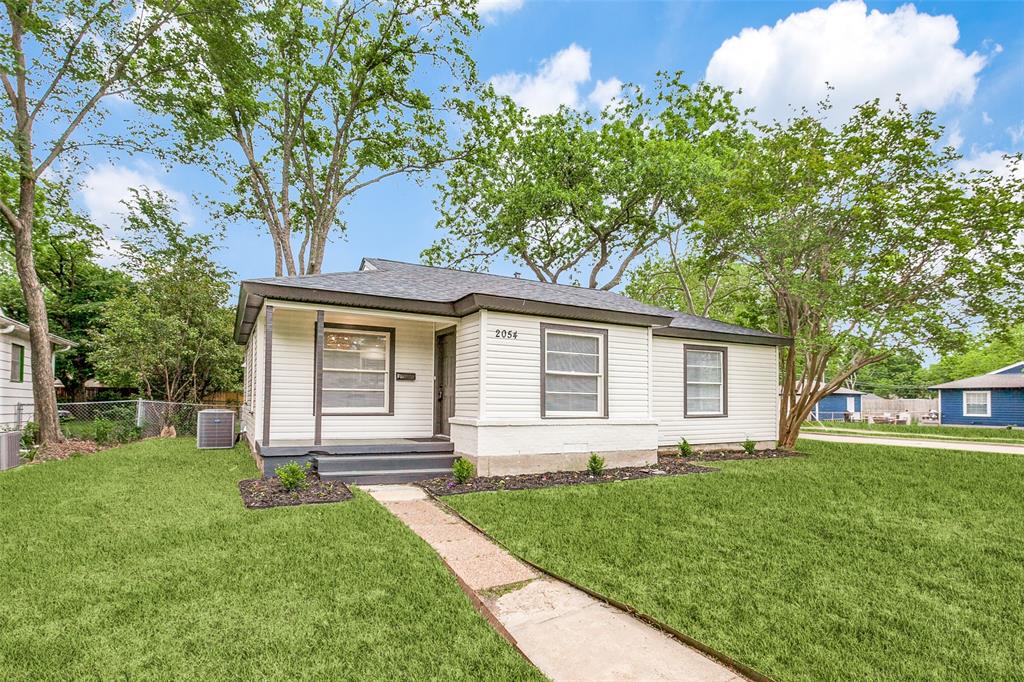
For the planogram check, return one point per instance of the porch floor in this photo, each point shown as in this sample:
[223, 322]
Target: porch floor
[355, 446]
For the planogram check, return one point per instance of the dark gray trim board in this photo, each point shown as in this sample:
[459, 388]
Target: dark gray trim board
[252, 295]
[725, 381]
[703, 335]
[268, 348]
[603, 333]
[318, 376]
[390, 331]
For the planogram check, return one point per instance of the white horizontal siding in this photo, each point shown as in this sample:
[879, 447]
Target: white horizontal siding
[512, 384]
[467, 367]
[292, 380]
[13, 392]
[752, 395]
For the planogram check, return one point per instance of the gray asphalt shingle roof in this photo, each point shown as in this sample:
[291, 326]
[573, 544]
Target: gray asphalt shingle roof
[395, 279]
[986, 381]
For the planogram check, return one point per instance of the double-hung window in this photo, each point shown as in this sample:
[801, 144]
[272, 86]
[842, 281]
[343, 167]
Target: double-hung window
[574, 371]
[705, 381]
[977, 403]
[357, 371]
[17, 363]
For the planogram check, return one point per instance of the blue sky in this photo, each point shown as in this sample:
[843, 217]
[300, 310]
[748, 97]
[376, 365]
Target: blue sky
[964, 60]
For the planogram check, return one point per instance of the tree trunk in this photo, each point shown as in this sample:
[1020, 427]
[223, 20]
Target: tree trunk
[43, 392]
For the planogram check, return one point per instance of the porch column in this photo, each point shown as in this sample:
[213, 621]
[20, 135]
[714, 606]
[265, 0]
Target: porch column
[267, 368]
[318, 376]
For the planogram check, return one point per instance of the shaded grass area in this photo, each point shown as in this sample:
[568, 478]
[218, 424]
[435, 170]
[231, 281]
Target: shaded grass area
[1015, 435]
[141, 563]
[857, 562]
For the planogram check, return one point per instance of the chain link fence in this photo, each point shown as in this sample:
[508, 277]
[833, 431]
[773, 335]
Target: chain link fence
[119, 421]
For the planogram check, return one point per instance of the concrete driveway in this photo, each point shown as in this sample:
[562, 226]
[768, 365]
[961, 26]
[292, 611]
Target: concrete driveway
[970, 446]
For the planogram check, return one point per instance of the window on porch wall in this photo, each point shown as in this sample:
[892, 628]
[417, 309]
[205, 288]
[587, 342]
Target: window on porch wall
[355, 371]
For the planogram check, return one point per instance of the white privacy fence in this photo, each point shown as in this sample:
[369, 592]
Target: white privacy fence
[120, 420]
[887, 410]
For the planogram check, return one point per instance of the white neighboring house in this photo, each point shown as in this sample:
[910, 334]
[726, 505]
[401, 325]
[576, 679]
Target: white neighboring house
[387, 373]
[16, 402]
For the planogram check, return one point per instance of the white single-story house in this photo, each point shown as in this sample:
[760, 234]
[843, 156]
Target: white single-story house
[389, 372]
[16, 401]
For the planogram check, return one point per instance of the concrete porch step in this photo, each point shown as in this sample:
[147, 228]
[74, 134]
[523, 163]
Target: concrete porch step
[364, 463]
[387, 476]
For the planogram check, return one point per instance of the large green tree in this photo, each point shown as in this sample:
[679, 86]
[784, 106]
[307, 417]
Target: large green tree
[985, 353]
[579, 198]
[301, 104]
[172, 335]
[59, 61]
[869, 241]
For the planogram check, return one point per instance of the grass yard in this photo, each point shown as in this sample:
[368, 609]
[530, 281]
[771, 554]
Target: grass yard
[975, 433]
[857, 562]
[141, 563]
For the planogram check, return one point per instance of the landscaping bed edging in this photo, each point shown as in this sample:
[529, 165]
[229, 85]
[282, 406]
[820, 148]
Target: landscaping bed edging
[264, 493]
[666, 466]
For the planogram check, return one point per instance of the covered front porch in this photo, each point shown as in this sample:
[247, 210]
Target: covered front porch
[367, 460]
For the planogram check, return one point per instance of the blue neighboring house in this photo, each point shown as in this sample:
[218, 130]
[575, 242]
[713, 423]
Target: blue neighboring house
[836, 406]
[993, 399]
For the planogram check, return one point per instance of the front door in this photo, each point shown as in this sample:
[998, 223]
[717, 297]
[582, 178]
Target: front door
[444, 383]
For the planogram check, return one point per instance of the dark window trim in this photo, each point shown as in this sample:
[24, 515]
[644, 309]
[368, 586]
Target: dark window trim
[724, 350]
[390, 331]
[20, 364]
[545, 327]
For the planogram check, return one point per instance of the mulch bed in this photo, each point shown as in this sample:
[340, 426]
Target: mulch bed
[667, 466]
[726, 455]
[262, 493]
[64, 450]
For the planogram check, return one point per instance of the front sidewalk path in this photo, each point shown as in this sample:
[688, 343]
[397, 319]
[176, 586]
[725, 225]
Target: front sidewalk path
[566, 633]
[903, 441]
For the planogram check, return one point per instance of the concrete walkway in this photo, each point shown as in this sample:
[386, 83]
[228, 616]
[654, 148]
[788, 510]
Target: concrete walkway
[566, 633]
[970, 446]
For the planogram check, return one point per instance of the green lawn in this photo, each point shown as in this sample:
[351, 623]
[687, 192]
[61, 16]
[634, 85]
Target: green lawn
[141, 563]
[1015, 435]
[856, 562]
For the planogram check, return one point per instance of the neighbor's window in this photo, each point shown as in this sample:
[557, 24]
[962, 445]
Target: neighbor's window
[17, 362]
[977, 404]
[356, 371]
[704, 376]
[574, 372]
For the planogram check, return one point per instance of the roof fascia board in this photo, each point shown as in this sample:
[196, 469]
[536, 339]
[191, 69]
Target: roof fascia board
[284, 304]
[708, 335]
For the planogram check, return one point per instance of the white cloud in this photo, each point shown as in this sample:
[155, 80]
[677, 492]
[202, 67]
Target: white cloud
[985, 118]
[956, 138]
[103, 191]
[863, 54]
[556, 82]
[605, 92]
[490, 9]
[1016, 133]
[994, 160]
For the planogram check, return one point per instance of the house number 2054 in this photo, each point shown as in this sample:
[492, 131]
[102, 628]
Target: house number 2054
[506, 334]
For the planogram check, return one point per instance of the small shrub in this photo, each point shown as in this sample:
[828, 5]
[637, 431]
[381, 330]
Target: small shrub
[292, 475]
[29, 435]
[103, 429]
[685, 449]
[595, 465]
[749, 445]
[463, 470]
